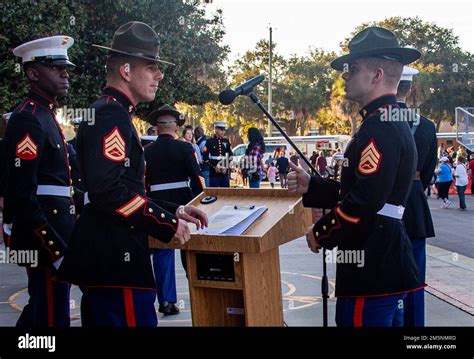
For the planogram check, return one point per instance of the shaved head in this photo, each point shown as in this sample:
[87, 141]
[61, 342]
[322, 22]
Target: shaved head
[371, 77]
[169, 124]
[392, 70]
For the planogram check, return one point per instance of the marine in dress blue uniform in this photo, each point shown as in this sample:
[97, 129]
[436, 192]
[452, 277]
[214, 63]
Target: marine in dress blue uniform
[7, 221]
[72, 150]
[367, 205]
[173, 175]
[218, 154]
[38, 192]
[417, 216]
[201, 140]
[108, 255]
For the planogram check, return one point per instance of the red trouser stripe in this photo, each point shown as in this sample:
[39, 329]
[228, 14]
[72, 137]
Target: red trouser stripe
[129, 311]
[50, 298]
[358, 311]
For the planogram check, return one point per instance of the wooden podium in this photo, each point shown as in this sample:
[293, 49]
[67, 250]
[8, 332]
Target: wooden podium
[234, 280]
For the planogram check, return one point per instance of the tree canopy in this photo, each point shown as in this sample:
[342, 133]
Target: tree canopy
[446, 71]
[307, 94]
[188, 38]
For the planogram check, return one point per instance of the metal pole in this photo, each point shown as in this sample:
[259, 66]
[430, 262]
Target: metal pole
[325, 287]
[324, 279]
[270, 65]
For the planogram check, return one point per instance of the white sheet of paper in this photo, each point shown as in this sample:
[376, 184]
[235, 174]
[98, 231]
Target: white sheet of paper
[229, 220]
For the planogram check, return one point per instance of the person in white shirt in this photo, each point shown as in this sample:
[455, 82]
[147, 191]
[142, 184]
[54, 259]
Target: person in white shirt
[461, 182]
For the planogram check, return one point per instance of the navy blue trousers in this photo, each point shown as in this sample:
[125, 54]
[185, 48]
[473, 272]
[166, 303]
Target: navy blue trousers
[165, 275]
[385, 311]
[205, 174]
[48, 305]
[219, 181]
[254, 183]
[415, 301]
[118, 307]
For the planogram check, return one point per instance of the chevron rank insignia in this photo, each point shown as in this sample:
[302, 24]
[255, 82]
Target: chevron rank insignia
[114, 146]
[27, 149]
[370, 159]
[132, 206]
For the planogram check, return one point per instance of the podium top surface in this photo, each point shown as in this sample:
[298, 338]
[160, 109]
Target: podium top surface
[284, 220]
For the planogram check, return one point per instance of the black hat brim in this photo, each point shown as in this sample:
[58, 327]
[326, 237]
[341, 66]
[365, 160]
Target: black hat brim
[155, 115]
[141, 56]
[60, 62]
[56, 62]
[404, 54]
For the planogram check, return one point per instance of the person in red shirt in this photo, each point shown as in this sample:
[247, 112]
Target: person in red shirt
[321, 164]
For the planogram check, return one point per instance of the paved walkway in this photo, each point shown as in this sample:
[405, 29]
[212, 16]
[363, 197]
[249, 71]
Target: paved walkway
[450, 279]
[449, 301]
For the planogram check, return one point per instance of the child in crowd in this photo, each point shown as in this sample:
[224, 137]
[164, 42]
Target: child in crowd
[271, 173]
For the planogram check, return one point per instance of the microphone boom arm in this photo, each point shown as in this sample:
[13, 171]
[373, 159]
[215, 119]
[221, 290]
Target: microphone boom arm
[324, 278]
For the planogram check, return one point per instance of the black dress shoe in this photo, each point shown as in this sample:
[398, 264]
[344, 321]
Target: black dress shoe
[168, 308]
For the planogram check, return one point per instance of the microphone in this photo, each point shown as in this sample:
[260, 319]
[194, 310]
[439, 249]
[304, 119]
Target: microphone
[227, 96]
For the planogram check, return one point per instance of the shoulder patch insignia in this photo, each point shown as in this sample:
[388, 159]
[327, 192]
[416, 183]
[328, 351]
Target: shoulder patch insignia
[114, 146]
[27, 149]
[370, 159]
